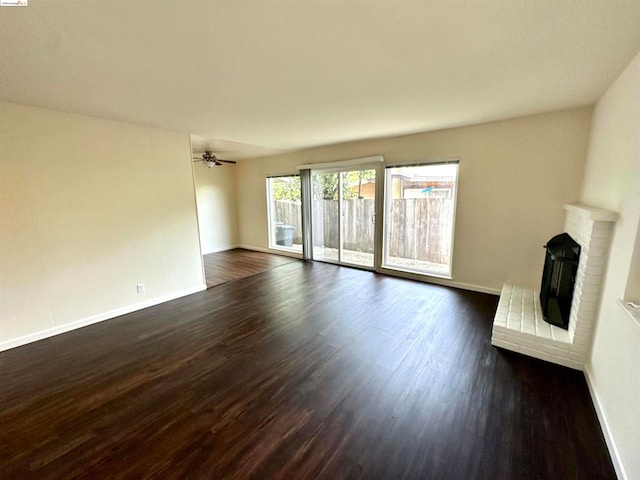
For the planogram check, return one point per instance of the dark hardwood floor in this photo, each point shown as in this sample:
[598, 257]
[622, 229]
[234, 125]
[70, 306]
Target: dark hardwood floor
[222, 267]
[304, 371]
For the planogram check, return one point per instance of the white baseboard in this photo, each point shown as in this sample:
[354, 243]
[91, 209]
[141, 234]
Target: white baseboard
[463, 286]
[221, 249]
[67, 327]
[440, 281]
[396, 273]
[606, 429]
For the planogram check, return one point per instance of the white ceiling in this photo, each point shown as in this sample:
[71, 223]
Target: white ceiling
[278, 75]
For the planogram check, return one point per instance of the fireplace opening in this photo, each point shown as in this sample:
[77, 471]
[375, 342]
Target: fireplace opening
[558, 279]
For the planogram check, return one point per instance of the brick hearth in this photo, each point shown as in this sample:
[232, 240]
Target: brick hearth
[518, 324]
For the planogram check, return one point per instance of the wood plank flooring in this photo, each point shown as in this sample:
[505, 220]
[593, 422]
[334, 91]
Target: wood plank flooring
[222, 267]
[305, 371]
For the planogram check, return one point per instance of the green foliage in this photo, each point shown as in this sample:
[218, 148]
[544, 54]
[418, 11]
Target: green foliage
[324, 186]
[286, 188]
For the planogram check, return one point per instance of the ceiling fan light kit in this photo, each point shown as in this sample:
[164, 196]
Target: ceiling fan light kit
[210, 160]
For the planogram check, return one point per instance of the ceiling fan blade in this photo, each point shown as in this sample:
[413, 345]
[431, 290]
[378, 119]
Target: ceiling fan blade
[227, 161]
[196, 159]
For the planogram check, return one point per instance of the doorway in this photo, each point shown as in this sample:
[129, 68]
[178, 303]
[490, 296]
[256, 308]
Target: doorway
[343, 215]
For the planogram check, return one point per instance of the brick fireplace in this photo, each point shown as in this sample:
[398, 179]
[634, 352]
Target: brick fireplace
[518, 324]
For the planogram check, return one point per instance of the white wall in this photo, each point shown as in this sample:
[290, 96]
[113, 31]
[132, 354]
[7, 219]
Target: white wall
[88, 209]
[515, 176]
[217, 212]
[612, 181]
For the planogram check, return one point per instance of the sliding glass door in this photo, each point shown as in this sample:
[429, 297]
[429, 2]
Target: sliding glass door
[370, 215]
[343, 216]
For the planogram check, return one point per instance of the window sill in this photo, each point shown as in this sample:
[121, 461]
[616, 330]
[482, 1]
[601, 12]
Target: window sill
[420, 273]
[289, 252]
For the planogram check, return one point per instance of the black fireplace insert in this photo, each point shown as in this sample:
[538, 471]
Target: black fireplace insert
[558, 279]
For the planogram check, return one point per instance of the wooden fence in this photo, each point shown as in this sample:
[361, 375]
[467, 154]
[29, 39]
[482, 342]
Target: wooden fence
[358, 224]
[420, 228]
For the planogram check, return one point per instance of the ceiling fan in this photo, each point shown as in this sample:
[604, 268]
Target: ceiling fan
[210, 160]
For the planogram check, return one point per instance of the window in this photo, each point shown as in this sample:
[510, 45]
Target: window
[285, 213]
[419, 217]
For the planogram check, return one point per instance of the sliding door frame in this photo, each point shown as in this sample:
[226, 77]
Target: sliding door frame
[378, 164]
[375, 163]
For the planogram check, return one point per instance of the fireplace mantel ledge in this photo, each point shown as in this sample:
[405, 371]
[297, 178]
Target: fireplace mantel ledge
[593, 213]
[633, 312]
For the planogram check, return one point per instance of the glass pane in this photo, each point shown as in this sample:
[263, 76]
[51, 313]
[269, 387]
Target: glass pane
[324, 216]
[419, 207]
[285, 213]
[358, 215]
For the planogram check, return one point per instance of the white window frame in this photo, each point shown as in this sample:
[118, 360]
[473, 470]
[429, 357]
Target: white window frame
[387, 218]
[271, 216]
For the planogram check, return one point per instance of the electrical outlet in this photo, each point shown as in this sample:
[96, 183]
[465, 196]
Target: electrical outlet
[140, 288]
